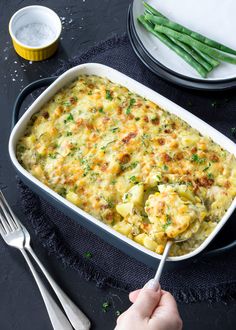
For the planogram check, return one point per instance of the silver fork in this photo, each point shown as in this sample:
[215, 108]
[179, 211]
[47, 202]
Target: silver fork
[16, 235]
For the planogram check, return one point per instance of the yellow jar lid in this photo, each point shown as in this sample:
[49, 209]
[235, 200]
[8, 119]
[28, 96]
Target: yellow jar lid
[35, 32]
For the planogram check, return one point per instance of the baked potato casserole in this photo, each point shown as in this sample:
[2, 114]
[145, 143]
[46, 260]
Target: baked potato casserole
[136, 167]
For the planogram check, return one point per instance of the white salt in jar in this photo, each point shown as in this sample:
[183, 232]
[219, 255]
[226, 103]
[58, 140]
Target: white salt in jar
[35, 32]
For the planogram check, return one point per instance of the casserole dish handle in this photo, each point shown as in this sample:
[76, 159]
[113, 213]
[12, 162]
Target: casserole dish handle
[25, 92]
[46, 82]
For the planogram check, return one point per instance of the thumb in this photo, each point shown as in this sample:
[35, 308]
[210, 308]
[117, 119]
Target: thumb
[146, 302]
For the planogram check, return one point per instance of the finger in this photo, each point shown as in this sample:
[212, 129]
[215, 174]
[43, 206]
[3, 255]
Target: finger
[167, 306]
[133, 295]
[167, 301]
[152, 284]
[146, 302]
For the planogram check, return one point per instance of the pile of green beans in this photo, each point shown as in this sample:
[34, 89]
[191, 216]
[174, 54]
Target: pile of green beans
[202, 53]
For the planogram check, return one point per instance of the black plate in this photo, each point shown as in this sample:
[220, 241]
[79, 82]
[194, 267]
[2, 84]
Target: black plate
[160, 70]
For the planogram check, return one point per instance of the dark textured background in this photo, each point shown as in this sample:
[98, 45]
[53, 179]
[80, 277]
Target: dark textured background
[85, 23]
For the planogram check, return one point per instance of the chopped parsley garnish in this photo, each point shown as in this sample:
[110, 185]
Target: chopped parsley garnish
[165, 167]
[21, 148]
[104, 147]
[67, 103]
[128, 111]
[108, 95]
[62, 192]
[131, 103]
[68, 133]
[53, 156]
[168, 222]
[126, 195]
[133, 179]
[88, 255]
[105, 306]
[113, 130]
[133, 165]
[233, 131]
[214, 104]
[101, 110]
[207, 167]
[69, 118]
[195, 158]
[90, 93]
[87, 169]
[210, 176]
[137, 118]
[113, 181]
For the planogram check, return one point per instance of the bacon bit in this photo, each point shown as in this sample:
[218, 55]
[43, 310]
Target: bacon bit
[179, 155]
[194, 150]
[204, 182]
[214, 158]
[105, 120]
[72, 100]
[167, 131]
[161, 141]
[89, 126]
[145, 118]
[165, 157]
[45, 115]
[174, 135]
[156, 121]
[147, 106]
[173, 125]
[129, 137]
[109, 216]
[104, 207]
[227, 185]
[125, 159]
[119, 110]
[139, 104]
[104, 167]
[91, 86]
[130, 116]
[79, 121]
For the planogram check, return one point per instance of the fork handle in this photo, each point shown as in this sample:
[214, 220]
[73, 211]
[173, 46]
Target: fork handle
[57, 318]
[74, 314]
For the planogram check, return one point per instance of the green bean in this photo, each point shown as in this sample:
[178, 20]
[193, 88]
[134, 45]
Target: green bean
[195, 43]
[194, 54]
[169, 43]
[153, 10]
[214, 63]
[160, 20]
[209, 62]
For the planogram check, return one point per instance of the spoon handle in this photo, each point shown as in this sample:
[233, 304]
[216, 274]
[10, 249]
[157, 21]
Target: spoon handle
[162, 262]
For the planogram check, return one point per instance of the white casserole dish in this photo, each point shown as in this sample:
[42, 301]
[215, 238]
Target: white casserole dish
[122, 242]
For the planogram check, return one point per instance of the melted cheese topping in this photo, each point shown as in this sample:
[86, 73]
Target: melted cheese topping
[120, 157]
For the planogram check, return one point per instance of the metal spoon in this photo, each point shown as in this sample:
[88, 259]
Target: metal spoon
[156, 279]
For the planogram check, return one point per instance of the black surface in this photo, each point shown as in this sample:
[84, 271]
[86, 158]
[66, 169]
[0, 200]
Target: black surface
[21, 306]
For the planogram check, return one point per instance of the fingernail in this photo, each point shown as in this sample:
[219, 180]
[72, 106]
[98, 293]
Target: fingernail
[152, 284]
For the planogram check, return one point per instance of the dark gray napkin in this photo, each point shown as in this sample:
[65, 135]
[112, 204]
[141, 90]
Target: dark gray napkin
[205, 278]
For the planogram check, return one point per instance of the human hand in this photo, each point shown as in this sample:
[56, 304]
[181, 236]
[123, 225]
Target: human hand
[151, 310]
